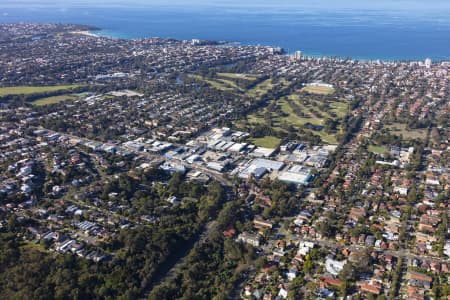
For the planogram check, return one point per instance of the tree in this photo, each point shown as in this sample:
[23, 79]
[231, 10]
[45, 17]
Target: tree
[295, 288]
[324, 229]
[412, 195]
[13, 223]
[347, 273]
[344, 288]
[362, 262]
[308, 264]
[175, 183]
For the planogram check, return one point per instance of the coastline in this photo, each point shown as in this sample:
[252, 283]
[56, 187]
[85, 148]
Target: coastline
[116, 35]
[85, 32]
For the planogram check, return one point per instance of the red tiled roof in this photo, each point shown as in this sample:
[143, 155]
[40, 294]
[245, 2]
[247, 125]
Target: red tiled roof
[370, 288]
[331, 281]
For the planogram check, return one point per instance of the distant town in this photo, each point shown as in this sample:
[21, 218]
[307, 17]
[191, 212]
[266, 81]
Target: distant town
[165, 169]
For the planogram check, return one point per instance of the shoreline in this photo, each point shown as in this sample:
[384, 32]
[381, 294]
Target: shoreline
[85, 32]
[115, 35]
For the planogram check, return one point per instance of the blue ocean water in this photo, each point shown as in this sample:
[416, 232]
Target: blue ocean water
[362, 34]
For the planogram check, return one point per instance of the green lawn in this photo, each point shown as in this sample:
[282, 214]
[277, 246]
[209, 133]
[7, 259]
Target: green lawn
[320, 90]
[289, 117]
[409, 134]
[327, 138]
[376, 149]
[267, 142]
[220, 85]
[260, 89]
[53, 99]
[225, 82]
[238, 75]
[25, 90]
[293, 119]
[230, 78]
[228, 83]
[340, 108]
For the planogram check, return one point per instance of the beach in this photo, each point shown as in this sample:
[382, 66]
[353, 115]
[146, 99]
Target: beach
[88, 33]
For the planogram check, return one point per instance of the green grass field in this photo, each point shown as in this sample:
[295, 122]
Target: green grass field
[409, 134]
[320, 90]
[260, 89]
[290, 117]
[220, 85]
[228, 83]
[266, 142]
[377, 149]
[340, 108]
[224, 82]
[53, 100]
[325, 137]
[293, 119]
[238, 76]
[26, 90]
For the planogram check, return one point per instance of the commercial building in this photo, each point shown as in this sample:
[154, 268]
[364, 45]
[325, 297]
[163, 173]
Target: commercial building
[297, 174]
[258, 167]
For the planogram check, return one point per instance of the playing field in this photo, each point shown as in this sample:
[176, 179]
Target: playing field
[409, 134]
[26, 90]
[266, 142]
[320, 90]
[238, 76]
[54, 99]
[377, 149]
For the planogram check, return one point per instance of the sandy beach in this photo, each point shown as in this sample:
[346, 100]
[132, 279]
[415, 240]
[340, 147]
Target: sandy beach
[85, 33]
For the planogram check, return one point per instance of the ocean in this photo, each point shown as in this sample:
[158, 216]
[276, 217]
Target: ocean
[360, 34]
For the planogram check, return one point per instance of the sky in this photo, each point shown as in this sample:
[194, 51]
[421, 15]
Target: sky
[397, 5]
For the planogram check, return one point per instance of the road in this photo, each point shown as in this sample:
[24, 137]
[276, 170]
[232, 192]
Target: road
[396, 253]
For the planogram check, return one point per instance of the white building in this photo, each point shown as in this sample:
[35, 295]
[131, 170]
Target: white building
[304, 248]
[298, 55]
[447, 248]
[173, 200]
[248, 238]
[333, 266]
[295, 178]
[401, 190]
[283, 293]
